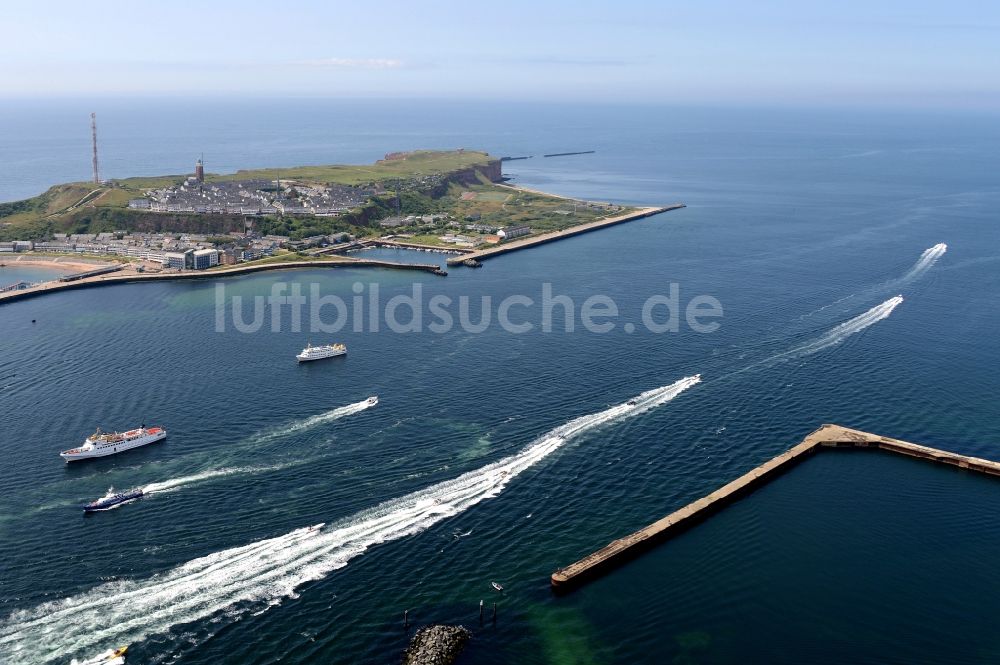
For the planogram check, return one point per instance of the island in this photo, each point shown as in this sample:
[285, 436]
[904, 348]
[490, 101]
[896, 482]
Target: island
[205, 224]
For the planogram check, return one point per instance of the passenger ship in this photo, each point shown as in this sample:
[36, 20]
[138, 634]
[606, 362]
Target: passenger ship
[100, 444]
[319, 352]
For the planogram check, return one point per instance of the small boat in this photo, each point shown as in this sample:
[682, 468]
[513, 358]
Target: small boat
[316, 527]
[497, 586]
[319, 352]
[109, 657]
[632, 402]
[101, 444]
[111, 499]
[372, 401]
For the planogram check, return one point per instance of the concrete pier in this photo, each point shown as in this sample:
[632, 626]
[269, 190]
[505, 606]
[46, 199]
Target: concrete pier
[826, 437]
[122, 276]
[524, 243]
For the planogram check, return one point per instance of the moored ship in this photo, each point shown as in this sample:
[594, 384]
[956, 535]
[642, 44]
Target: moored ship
[319, 352]
[101, 444]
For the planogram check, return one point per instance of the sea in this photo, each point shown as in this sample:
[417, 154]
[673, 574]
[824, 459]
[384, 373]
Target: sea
[502, 454]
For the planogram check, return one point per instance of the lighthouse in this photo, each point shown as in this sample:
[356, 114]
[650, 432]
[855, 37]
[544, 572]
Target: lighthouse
[199, 170]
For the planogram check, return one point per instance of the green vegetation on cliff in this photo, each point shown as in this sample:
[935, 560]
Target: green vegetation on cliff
[88, 208]
[455, 188]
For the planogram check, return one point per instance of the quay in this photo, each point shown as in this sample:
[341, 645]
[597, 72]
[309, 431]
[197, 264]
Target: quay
[403, 244]
[120, 277]
[92, 273]
[524, 243]
[826, 437]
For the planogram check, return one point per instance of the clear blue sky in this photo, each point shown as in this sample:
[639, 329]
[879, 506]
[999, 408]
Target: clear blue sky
[875, 53]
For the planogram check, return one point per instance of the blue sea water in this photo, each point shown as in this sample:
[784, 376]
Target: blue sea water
[797, 222]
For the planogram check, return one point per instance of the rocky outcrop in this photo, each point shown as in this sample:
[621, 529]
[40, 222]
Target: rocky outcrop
[436, 645]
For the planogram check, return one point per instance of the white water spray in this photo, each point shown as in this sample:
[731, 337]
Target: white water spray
[925, 262]
[313, 421]
[270, 435]
[850, 327]
[262, 573]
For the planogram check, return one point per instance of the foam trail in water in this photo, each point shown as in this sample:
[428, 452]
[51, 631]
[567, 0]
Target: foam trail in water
[926, 260]
[313, 421]
[285, 430]
[262, 573]
[174, 483]
[841, 332]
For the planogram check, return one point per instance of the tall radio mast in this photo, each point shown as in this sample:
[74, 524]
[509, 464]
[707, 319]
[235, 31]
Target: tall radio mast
[93, 135]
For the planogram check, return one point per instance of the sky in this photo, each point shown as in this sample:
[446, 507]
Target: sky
[913, 53]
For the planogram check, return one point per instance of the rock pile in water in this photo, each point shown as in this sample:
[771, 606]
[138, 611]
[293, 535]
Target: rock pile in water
[436, 645]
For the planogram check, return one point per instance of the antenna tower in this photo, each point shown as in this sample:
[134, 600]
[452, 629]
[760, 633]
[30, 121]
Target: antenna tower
[93, 136]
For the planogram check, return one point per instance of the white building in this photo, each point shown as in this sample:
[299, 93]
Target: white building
[205, 258]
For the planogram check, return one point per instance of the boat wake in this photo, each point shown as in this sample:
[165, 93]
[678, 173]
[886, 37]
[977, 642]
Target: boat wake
[312, 421]
[924, 263]
[256, 576]
[844, 330]
[174, 483]
[261, 437]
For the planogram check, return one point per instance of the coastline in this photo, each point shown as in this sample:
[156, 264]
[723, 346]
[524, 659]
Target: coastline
[72, 264]
[552, 236]
[236, 271]
[79, 264]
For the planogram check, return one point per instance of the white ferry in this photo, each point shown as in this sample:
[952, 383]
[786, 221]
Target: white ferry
[100, 444]
[319, 352]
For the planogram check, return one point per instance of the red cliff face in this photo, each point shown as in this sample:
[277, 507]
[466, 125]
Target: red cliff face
[493, 171]
[471, 176]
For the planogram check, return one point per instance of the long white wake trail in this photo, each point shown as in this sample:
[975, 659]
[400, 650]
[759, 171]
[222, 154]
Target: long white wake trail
[925, 262]
[269, 435]
[312, 421]
[839, 333]
[264, 572]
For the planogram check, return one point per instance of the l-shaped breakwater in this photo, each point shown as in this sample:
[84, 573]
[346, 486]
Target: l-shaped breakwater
[624, 549]
[121, 277]
[524, 243]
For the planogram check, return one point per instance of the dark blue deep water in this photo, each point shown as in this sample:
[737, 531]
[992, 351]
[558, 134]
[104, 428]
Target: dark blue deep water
[797, 222]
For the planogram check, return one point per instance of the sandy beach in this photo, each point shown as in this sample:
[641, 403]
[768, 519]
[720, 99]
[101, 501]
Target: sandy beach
[70, 263]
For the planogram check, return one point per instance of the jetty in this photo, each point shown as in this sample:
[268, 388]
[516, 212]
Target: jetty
[827, 437]
[531, 241]
[120, 276]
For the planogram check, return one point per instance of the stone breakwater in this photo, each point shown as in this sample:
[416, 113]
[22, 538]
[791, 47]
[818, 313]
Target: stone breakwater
[436, 645]
[826, 437]
[552, 236]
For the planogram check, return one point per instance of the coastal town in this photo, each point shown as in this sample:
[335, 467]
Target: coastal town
[177, 227]
[253, 197]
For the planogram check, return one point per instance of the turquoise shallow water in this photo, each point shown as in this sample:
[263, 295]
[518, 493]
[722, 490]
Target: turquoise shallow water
[11, 274]
[797, 223]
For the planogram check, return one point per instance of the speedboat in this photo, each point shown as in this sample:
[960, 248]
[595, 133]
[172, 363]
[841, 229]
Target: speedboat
[112, 499]
[497, 586]
[316, 527]
[372, 401]
[109, 657]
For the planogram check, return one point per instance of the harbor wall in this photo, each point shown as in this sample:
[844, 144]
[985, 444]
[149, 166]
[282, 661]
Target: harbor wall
[826, 437]
[524, 243]
[106, 280]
